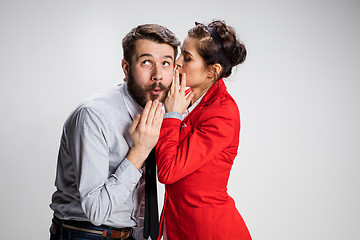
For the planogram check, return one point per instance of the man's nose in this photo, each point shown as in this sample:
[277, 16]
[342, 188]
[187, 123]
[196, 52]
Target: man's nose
[157, 73]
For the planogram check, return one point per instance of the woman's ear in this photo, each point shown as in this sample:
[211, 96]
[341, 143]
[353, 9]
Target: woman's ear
[215, 71]
[126, 68]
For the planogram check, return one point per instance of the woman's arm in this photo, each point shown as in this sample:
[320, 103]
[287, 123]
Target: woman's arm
[178, 158]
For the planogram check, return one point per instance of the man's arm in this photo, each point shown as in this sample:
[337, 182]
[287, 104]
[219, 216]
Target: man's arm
[101, 194]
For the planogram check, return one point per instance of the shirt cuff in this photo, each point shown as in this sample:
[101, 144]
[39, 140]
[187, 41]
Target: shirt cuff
[173, 115]
[128, 174]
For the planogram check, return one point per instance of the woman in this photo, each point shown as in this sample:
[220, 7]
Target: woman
[197, 145]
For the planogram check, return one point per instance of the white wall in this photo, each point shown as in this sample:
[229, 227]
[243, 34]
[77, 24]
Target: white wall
[295, 176]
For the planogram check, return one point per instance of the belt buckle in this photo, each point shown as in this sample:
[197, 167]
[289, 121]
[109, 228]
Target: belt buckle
[122, 235]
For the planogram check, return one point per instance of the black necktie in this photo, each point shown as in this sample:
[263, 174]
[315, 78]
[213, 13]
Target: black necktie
[151, 222]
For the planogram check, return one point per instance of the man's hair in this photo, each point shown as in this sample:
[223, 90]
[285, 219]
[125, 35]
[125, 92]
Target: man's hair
[152, 32]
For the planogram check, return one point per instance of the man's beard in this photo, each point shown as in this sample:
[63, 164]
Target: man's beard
[139, 93]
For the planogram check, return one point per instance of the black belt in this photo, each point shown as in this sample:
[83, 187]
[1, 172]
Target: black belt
[87, 227]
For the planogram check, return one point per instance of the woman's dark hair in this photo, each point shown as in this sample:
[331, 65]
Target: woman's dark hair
[218, 44]
[153, 32]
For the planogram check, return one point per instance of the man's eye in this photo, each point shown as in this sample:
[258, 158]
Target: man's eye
[146, 62]
[166, 64]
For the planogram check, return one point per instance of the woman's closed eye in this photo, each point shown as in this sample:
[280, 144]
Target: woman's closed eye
[187, 58]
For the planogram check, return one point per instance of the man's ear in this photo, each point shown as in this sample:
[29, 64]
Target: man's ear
[126, 68]
[214, 71]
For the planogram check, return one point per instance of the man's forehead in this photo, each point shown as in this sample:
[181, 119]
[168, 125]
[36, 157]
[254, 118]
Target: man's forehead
[148, 48]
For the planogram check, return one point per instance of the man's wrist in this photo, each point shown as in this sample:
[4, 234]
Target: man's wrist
[137, 156]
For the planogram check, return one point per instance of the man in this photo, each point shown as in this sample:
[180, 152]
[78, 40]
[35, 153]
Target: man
[100, 175]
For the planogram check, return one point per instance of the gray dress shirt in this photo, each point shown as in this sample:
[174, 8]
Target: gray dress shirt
[95, 181]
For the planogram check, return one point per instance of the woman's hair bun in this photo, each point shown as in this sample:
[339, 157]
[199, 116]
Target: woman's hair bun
[234, 50]
[238, 54]
[222, 47]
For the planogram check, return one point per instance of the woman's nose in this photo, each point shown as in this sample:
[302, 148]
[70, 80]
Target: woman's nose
[178, 62]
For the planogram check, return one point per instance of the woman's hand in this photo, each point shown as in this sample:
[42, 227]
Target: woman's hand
[176, 100]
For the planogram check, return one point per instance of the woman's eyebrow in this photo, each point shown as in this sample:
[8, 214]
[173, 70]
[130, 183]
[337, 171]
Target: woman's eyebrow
[187, 52]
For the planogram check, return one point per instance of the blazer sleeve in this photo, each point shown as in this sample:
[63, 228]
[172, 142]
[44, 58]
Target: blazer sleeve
[181, 150]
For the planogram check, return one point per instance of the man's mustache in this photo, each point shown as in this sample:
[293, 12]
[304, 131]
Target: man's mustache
[155, 85]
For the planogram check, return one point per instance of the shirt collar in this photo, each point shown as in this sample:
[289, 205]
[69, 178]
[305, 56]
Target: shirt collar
[193, 106]
[132, 106]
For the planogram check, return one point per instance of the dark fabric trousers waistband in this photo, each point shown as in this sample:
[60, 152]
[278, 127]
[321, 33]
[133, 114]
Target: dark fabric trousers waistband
[85, 224]
[87, 227]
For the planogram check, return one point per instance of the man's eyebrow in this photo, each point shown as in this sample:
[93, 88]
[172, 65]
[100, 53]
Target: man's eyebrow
[168, 56]
[149, 55]
[144, 55]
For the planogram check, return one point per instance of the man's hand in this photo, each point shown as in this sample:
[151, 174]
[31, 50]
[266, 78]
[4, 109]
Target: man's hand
[144, 132]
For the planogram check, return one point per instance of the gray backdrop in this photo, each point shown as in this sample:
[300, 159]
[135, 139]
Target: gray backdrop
[295, 176]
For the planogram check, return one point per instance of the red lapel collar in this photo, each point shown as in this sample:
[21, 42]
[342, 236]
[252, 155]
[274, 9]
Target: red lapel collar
[217, 89]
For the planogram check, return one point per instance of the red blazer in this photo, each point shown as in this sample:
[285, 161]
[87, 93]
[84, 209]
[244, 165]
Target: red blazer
[194, 158]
